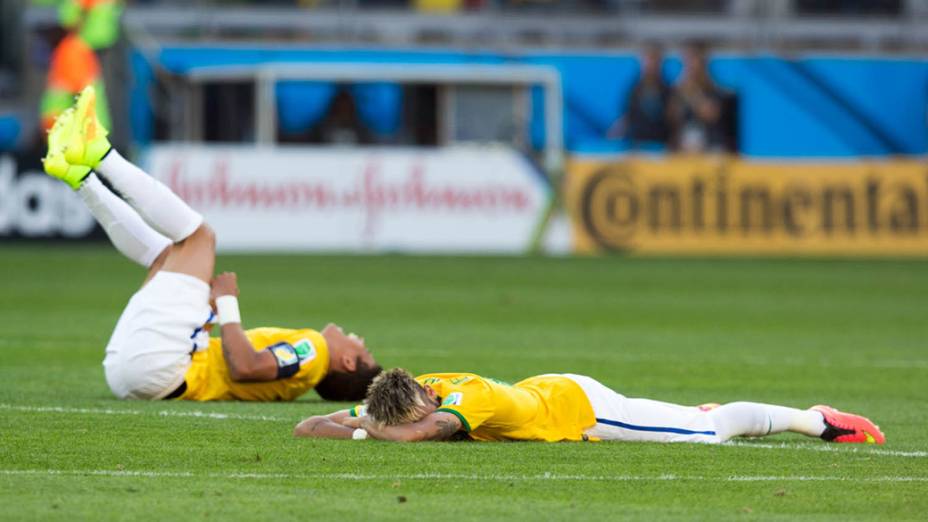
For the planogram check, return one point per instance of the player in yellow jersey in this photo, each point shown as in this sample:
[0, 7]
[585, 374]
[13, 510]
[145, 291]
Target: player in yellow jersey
[561, 407]
[161, 348]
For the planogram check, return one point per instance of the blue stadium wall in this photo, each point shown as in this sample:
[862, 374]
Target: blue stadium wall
[812, 106]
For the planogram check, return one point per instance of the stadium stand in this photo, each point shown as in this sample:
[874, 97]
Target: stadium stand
[818, 93]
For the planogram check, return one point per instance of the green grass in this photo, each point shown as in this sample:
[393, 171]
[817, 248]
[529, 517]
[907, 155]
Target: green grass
[849, 333]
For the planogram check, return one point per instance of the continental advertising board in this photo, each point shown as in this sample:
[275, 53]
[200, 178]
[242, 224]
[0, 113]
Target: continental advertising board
[454, 200]
[721, 205]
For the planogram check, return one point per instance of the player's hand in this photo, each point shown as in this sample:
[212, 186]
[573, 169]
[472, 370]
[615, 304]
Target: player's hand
[225, 283]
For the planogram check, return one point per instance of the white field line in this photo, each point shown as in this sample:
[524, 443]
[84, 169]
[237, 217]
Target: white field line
[234, 416]
[455, 476]
[161, 413]
[832, 448]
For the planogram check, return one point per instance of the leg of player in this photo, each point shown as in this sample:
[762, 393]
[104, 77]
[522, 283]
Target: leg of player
[155, 202]
[751, 419]
[125, 228]
[149, 351]
[622, 418]
[193, 252]
[86, 145]
[127, 231]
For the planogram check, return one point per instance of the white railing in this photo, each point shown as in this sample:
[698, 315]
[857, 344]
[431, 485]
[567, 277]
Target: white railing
[748, 23]
[267, 76]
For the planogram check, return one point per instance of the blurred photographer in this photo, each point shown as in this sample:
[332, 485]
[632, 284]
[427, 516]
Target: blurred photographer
[699, 110]
[646, 119]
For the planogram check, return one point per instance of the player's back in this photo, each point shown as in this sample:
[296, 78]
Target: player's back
[546, 407]
[208, 377]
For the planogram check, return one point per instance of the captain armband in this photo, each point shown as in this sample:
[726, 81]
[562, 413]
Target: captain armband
[288, 362]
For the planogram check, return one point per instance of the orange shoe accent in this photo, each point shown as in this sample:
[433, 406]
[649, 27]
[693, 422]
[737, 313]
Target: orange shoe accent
[709, 406]
[847, 427]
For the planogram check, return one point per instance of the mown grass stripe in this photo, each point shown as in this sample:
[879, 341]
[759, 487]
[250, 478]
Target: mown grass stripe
[458, 476]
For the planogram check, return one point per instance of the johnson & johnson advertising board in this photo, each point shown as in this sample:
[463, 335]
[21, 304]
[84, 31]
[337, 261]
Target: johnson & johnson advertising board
[454, 200]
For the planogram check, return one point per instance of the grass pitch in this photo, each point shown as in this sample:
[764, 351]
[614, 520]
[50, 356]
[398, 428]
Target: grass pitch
[849, 333]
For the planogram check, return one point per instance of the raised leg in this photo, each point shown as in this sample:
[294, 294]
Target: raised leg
[158, 206]
[126, 229]
[194, 249]
[195, 255]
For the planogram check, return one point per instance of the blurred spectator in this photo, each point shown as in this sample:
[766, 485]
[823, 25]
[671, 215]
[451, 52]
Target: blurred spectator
[696, 107]
[438, 6]
[645, 120]
[92, 25]
[448, 6]
[342, 125]
[849, 7]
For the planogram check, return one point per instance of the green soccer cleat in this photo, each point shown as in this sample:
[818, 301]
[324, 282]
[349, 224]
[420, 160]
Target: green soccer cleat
[85, 141]
[54, 161]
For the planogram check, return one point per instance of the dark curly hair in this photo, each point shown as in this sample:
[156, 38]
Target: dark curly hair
[348, 386]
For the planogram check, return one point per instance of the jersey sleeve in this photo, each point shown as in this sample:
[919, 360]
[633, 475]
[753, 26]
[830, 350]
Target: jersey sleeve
[471, 403]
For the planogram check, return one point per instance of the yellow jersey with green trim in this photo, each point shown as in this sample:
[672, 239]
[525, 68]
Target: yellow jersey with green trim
[208, 376]
[542, 408]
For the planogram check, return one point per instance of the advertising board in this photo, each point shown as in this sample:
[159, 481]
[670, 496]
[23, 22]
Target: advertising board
[34, 206]
[721, 205]
[457, 200]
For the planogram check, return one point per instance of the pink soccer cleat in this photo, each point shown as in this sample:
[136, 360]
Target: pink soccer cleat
[847, 427]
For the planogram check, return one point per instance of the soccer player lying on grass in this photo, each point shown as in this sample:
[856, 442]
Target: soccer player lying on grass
[161, 347]
[443, 406]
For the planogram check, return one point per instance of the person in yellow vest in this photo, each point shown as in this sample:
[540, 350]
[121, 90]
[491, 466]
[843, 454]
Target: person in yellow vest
[92, 25]
[439, 6]
[561, 407]
[161, 347]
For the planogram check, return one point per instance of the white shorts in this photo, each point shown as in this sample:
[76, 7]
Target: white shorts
[621, 418]
[149, 352]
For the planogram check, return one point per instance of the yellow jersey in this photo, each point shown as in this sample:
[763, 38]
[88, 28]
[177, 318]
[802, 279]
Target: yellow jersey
[546, 408]
[208, 376]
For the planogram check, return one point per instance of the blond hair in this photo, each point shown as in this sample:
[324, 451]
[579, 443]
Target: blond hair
[394, 397]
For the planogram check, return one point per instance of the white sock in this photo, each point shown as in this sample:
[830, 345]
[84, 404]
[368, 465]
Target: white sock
[752, 419]
[155, 202]
[125, 228]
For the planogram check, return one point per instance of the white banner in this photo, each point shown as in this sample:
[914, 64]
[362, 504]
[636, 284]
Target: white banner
[454, 200]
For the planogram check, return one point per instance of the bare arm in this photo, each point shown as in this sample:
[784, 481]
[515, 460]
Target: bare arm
[244, 363]
[437, 425]
[325, 426]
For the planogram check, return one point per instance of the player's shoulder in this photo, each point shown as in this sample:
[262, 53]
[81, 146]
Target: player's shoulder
[451, 378]
[267, 334]
[448, 383]
[274, 330]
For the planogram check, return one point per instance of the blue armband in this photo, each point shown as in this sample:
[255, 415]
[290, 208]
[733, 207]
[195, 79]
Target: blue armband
[288, 362]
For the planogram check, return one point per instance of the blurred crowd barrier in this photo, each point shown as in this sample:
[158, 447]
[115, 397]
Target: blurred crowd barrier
[769, 106]
[69, 43]
[846, 7]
